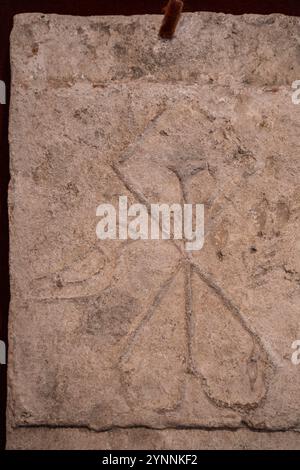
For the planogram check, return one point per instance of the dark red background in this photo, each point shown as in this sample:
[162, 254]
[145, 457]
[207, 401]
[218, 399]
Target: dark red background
[8, 8]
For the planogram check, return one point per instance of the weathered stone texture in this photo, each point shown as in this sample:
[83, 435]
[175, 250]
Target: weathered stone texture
[144, 439]
[110, 334]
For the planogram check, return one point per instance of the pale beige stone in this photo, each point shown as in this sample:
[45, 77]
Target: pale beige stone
[154, 439]
[119, 334]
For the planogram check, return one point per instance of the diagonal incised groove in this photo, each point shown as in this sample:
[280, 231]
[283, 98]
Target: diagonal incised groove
[221, 294]
[149, 313]
[181, 182]
[129, 151]
[141, 198]
[256, 345]
[130, 187]
[234, 311]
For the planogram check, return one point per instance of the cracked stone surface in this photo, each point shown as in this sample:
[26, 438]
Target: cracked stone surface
[194, 349]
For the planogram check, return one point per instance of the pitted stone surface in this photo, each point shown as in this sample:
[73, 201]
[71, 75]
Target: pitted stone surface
[121, 333]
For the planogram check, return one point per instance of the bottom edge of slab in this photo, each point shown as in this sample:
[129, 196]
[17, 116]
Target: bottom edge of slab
[149, 439]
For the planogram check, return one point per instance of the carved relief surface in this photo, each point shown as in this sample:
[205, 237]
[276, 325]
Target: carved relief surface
[125, 333]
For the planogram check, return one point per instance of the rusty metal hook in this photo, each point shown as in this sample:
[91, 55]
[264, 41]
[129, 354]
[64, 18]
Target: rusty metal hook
[172, 12]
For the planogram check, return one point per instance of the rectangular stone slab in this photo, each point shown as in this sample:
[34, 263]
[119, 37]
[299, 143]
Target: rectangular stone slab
[120, 333]
[154, 439]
